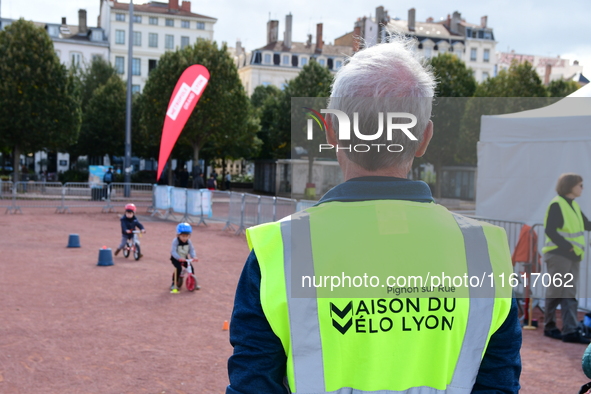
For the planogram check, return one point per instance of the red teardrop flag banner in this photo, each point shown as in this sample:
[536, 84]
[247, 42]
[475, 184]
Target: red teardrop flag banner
[186, 93]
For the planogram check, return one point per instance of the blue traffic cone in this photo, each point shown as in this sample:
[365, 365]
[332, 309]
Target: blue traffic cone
[105, 257]
[73, 241]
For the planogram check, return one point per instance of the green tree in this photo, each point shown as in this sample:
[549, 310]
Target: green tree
[98, 72]
[103, 127]
[562, 88]
[455, 80]
[313, 82]
[517, 89]
[39, 101]
[222, 110]
[267, 103]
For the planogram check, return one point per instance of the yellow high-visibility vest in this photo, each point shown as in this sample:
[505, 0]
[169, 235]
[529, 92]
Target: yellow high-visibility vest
[336, 342]
[573, 229]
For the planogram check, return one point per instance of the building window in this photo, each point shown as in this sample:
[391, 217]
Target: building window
[136, 68]
[169, 41]
[53, 31]
[294, 60]
[484, 75]
[184, 42]
[459, 53]
[473, 54]
[486, 56]
[266, 83]
[185, 24]
[303, 61]
[427, 52]
[135, 89]
[120, 37]
[58, 54]
[75, 59]
[338, 64]
[96, 56]
[137, 19]
[153, 20]
[119, 64]
[152, 64]
[153, 40]
[169, 22]
[267, 58]
[97, 35]
[200, 25]
[137, 39]
[322, 62]
[285, 60]
[120, 17]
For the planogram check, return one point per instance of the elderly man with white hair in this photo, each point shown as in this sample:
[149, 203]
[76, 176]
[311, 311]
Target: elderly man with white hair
[321, 306]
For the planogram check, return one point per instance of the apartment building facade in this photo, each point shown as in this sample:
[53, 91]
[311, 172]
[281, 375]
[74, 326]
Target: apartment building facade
[157, 28]
[280, 61]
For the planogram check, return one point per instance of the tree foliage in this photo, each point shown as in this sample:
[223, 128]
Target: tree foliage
[103, 127]
[221, 114]
[562, 88]
[313, 83]
[39, 100]
[455, 83]
[267, 102]
[90, 79]
[517, 89]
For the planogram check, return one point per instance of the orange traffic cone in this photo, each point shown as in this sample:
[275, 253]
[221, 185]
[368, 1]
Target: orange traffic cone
[226, 326]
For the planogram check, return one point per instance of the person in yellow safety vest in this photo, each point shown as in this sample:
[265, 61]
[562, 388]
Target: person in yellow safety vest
[563, 250]
[355, 295]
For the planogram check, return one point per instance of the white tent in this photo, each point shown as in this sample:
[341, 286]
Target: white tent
[521, 155]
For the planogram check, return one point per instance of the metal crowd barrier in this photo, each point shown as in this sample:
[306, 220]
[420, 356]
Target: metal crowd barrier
[18, 195]
[6, 195]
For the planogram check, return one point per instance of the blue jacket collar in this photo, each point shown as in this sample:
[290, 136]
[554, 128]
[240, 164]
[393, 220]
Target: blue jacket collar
[379, 188]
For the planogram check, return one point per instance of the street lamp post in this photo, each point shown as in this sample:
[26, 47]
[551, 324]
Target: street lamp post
[127, 166]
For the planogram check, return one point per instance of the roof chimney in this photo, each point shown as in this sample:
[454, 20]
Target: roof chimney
[455, 20]
[186, 6]
[173, 5]
[287, 34]
[272, 29]
[238, 47]
[430, 19]
[411, 19]
[82, 27]
[483, 21]
[319, 42]
[64, 21]
[547, 74]
[356, 38]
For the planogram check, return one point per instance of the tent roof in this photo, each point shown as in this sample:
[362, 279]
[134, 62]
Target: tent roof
[543, 124]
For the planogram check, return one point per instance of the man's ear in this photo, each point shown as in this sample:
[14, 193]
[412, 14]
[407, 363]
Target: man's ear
[427, 135]
[331, 137]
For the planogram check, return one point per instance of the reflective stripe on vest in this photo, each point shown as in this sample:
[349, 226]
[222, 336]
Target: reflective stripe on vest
[305, 332]
[572, 228]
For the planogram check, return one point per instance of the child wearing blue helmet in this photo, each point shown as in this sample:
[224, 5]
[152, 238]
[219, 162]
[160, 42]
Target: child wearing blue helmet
[182, 249]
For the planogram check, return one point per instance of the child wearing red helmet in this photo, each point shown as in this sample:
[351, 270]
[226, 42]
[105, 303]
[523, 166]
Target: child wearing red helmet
[128, 223]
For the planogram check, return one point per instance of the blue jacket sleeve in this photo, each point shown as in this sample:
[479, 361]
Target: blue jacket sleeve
[258, 363]
[501, 365]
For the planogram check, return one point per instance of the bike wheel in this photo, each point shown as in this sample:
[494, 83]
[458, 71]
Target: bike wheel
[126, 251]
[136, 252]
[190, 282]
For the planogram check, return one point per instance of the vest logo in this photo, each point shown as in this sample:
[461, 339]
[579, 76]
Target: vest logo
[372, 316]
[341, 314]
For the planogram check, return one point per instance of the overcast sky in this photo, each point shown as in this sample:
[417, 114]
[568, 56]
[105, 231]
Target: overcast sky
[532, 27]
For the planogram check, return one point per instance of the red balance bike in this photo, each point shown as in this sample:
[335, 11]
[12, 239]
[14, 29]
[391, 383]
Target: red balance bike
[189, 277]
[133, 246]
